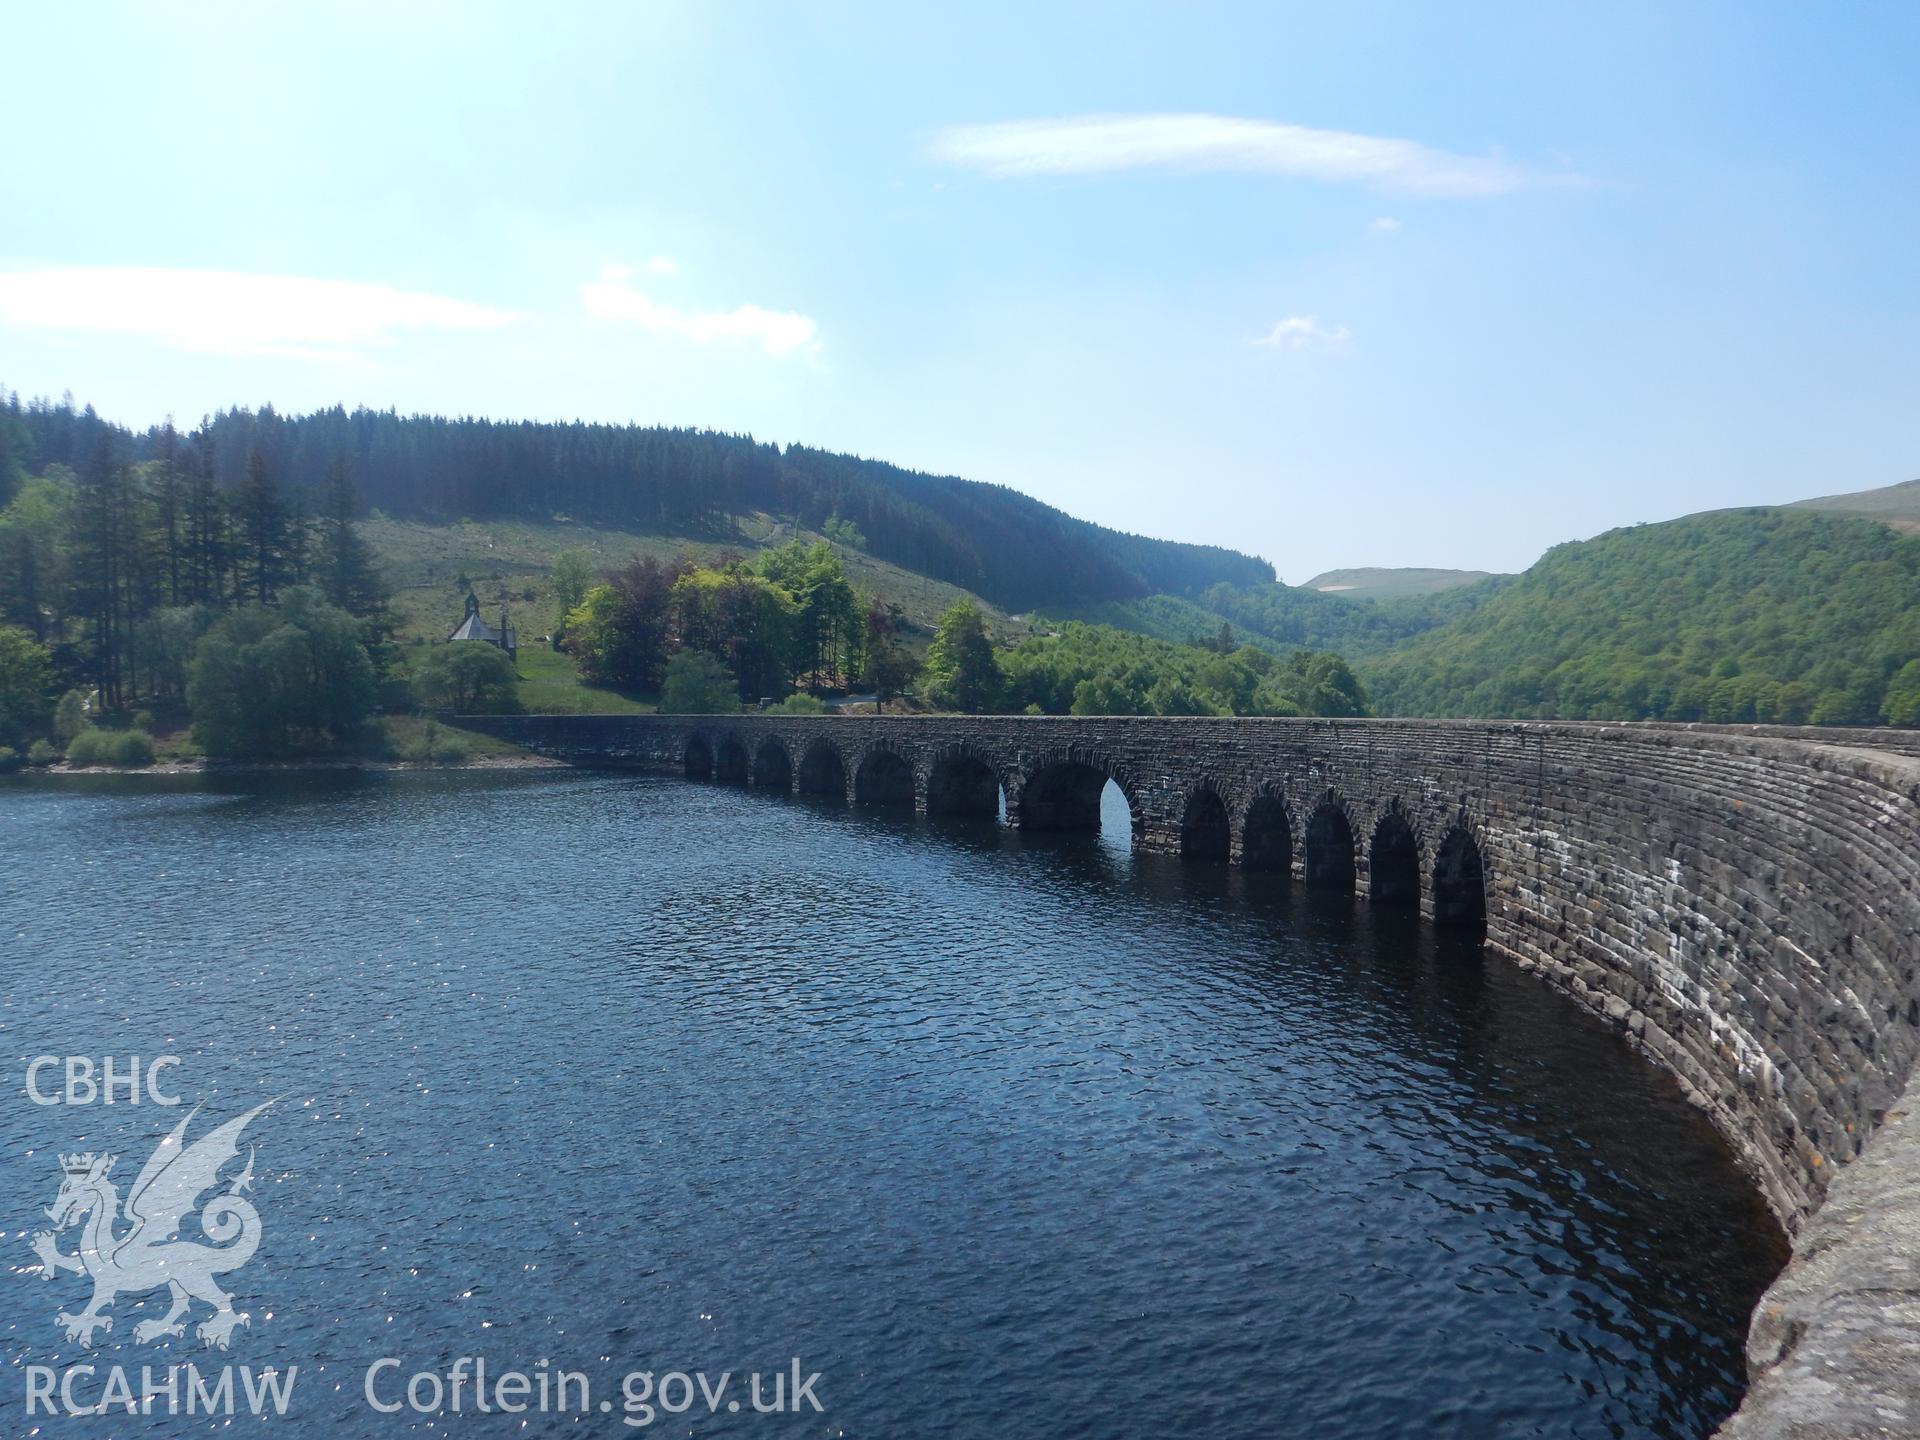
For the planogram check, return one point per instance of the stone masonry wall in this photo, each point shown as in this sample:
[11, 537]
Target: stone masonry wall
[1744, 907]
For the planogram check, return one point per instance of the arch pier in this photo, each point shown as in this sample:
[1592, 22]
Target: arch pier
[1741, 904]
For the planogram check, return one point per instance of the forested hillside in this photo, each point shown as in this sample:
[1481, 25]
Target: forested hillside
[1293, 617]
[1781, 615]
[1098, 670]
[995, 541]
[1738, 615]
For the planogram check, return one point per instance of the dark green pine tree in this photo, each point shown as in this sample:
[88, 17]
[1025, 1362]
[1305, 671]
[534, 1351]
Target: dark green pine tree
[344, 567]
[299, 542]
[264, 532]
[890, 666]
[169, 512]
[16, 449]
[206, 527]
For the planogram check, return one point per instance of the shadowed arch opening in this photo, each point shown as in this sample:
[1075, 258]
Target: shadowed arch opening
[963, 785]
[699, 758]
[1065, 795]
[823, 772]
[772, 767]
[885, 780]
[1460, 882]
[1204, 832]
[730, 761]
[1266, 839]
[1393, 862]
[1329, 858]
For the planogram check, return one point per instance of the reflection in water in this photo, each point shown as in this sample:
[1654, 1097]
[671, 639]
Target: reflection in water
[1005, 1134]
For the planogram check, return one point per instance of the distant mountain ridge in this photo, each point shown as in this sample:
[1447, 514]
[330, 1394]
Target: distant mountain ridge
[1894, 505]
[1381, 583]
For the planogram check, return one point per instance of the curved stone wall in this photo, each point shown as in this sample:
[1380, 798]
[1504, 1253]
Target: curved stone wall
[1744, 907]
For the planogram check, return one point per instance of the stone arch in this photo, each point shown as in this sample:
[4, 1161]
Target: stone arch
[962, 781]
[730, 762]
[698, 758]
[1266, 835]
[1393, 860]
[1460, 878]
[823, 770]
[772, 766]
[883, 778]
[1205, 831]
[1329, 849]
[1061, 791]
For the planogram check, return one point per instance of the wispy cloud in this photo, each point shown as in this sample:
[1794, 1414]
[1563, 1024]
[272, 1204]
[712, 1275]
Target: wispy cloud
[225, 312]
[612, 297]
[1385, 224]
[1297, 332]
[1109, 144]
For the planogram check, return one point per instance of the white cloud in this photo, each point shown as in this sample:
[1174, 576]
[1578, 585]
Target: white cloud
[612, 297]
[661, 265]
[1386, 224]
[1297, 332]
[1107, 144]
[225, 312]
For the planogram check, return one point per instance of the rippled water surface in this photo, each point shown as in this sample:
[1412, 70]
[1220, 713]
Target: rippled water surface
[1003, 1137]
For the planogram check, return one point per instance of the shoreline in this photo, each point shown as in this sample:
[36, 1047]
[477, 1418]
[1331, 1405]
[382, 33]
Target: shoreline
[203, 766]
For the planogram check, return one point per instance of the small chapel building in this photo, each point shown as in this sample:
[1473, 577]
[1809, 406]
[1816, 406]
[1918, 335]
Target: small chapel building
[474, 628]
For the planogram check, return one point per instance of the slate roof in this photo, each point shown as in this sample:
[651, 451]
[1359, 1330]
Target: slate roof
[474, 628]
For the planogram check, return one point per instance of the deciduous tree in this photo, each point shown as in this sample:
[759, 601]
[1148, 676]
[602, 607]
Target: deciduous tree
[962, 671]
[26, 688]
[466, 677]
[698, 684]
[281, 679]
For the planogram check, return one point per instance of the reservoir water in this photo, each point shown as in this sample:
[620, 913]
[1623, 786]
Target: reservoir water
[1001, 1136]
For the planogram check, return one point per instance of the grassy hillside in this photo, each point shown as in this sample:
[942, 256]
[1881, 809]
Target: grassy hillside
[508, 563]
[1172, 618]
[1369, 583]
[1774, 614]
[508, 558]
[1894, 505]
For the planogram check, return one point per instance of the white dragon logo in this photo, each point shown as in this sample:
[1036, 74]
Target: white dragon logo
[151, 1254]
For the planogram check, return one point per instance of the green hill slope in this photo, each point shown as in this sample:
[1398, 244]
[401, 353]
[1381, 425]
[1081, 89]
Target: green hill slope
[1895, 505]
[1775, 614]
[510, 562]
[1294, 617]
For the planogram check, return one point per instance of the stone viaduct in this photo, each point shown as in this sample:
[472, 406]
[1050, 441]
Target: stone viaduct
[1743, 906]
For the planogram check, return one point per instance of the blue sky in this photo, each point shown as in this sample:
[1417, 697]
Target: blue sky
[1355, 284]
